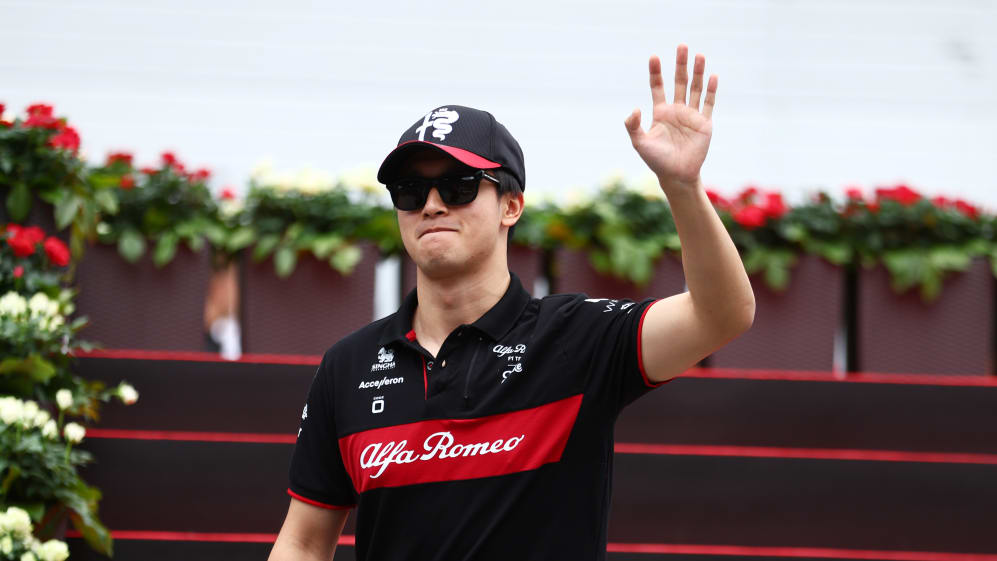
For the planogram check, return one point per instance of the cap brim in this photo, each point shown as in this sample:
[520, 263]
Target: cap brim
[389, 168]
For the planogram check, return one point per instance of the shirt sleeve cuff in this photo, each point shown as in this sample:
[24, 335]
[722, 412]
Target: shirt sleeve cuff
[640, 351]
[318, 503]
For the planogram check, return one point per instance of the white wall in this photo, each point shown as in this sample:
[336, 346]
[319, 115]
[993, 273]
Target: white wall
[811, 93]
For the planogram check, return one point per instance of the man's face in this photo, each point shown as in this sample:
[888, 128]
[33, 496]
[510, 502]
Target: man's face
[449, 240]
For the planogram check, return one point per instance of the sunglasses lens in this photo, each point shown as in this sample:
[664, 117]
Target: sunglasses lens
[411, 193]
[459, 191]
[408, 194]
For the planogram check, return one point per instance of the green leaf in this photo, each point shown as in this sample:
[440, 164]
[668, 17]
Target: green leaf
[131, 244]
[166, 249]
[9, 479]
[106, 200]
[284, 261]
[19, 202]
[324, 245]
[36, 367]
[65, 211]
[242, 237]
[345, 259]
[82, 502]
[265, 246]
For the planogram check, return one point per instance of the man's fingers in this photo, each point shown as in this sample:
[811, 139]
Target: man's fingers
[657, 83]
[681, 72]
[633, 126]
[711, 96]
[697, 81]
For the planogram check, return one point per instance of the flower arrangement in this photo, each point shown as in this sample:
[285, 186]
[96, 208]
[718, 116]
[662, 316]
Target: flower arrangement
[18, 543]
[38, 468]
[164, 205]
[39, 159]
[286, 214]
[37, 341]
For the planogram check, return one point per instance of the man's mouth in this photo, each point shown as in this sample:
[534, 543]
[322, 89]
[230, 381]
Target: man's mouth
[434, 230]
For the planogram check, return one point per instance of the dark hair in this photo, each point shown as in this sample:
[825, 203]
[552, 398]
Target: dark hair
[508, 181]
[507, 184]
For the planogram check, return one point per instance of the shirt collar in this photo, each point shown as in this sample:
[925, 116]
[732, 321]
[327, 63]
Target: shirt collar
[495, 323]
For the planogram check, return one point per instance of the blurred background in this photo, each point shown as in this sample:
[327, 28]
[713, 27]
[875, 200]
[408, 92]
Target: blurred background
[811, 94]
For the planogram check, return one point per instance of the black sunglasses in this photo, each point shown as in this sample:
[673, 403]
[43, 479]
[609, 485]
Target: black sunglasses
[410, 193]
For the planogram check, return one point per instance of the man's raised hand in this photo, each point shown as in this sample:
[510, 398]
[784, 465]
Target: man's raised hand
[675, 145]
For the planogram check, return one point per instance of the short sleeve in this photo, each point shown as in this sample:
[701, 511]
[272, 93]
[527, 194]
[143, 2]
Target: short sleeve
[607, 333]
[317, 474]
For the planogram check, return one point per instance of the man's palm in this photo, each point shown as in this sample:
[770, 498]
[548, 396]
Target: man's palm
[675, 145]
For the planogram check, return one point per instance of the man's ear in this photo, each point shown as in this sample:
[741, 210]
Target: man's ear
[512, 208]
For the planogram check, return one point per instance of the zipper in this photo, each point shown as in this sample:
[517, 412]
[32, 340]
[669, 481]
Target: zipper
[467, 380]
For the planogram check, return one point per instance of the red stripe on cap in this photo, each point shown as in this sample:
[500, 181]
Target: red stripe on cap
[469, 158]
[457, 449]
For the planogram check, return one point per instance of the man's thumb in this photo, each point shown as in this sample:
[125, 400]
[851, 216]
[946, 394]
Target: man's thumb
[633, 126]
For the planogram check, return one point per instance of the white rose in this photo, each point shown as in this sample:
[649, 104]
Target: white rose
[13, 304]
[28, 413]
[74, 432]
[41, 417]
[6, 545]
[53, 550]
[363, 178]
[64, 398]
[262, 168]
[127, 393]
[17, 522]
[11, 410]
[39, 305]
[28, 556]
[50, 430]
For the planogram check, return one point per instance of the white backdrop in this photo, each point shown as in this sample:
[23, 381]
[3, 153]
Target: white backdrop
[812, 94]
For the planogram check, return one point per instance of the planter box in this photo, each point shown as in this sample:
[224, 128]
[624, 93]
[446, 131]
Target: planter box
[526, 262]
[795, 329]
[139, 306]
[310, 310]
[901, 333]
[573, 273]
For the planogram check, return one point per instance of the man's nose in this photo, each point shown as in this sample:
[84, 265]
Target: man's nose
[434, 204]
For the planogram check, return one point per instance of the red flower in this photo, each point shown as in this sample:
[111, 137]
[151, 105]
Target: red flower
[774, 207]
[119, 157]
[941, 202]
[873, 207]
[33, 234]
[13, 229]
[750, 217]
[748, 194]
[22, 245]
[127, 182]
[39, 109]
[6, 123]
[67, 139]
[18, 272]
[969, 210]
[42, 121]
[202, 174]
[716, 199]
[854, 193]
[149, 171]
[57, 251]
[1, 108]
[228, 194]
[169, 159]
[901, 193]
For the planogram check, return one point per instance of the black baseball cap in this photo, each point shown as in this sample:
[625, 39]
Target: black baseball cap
[471, 136]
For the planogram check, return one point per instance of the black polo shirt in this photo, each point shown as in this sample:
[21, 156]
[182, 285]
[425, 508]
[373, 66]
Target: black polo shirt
[500, 447]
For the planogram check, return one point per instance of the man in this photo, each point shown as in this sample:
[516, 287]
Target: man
[477, 422]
